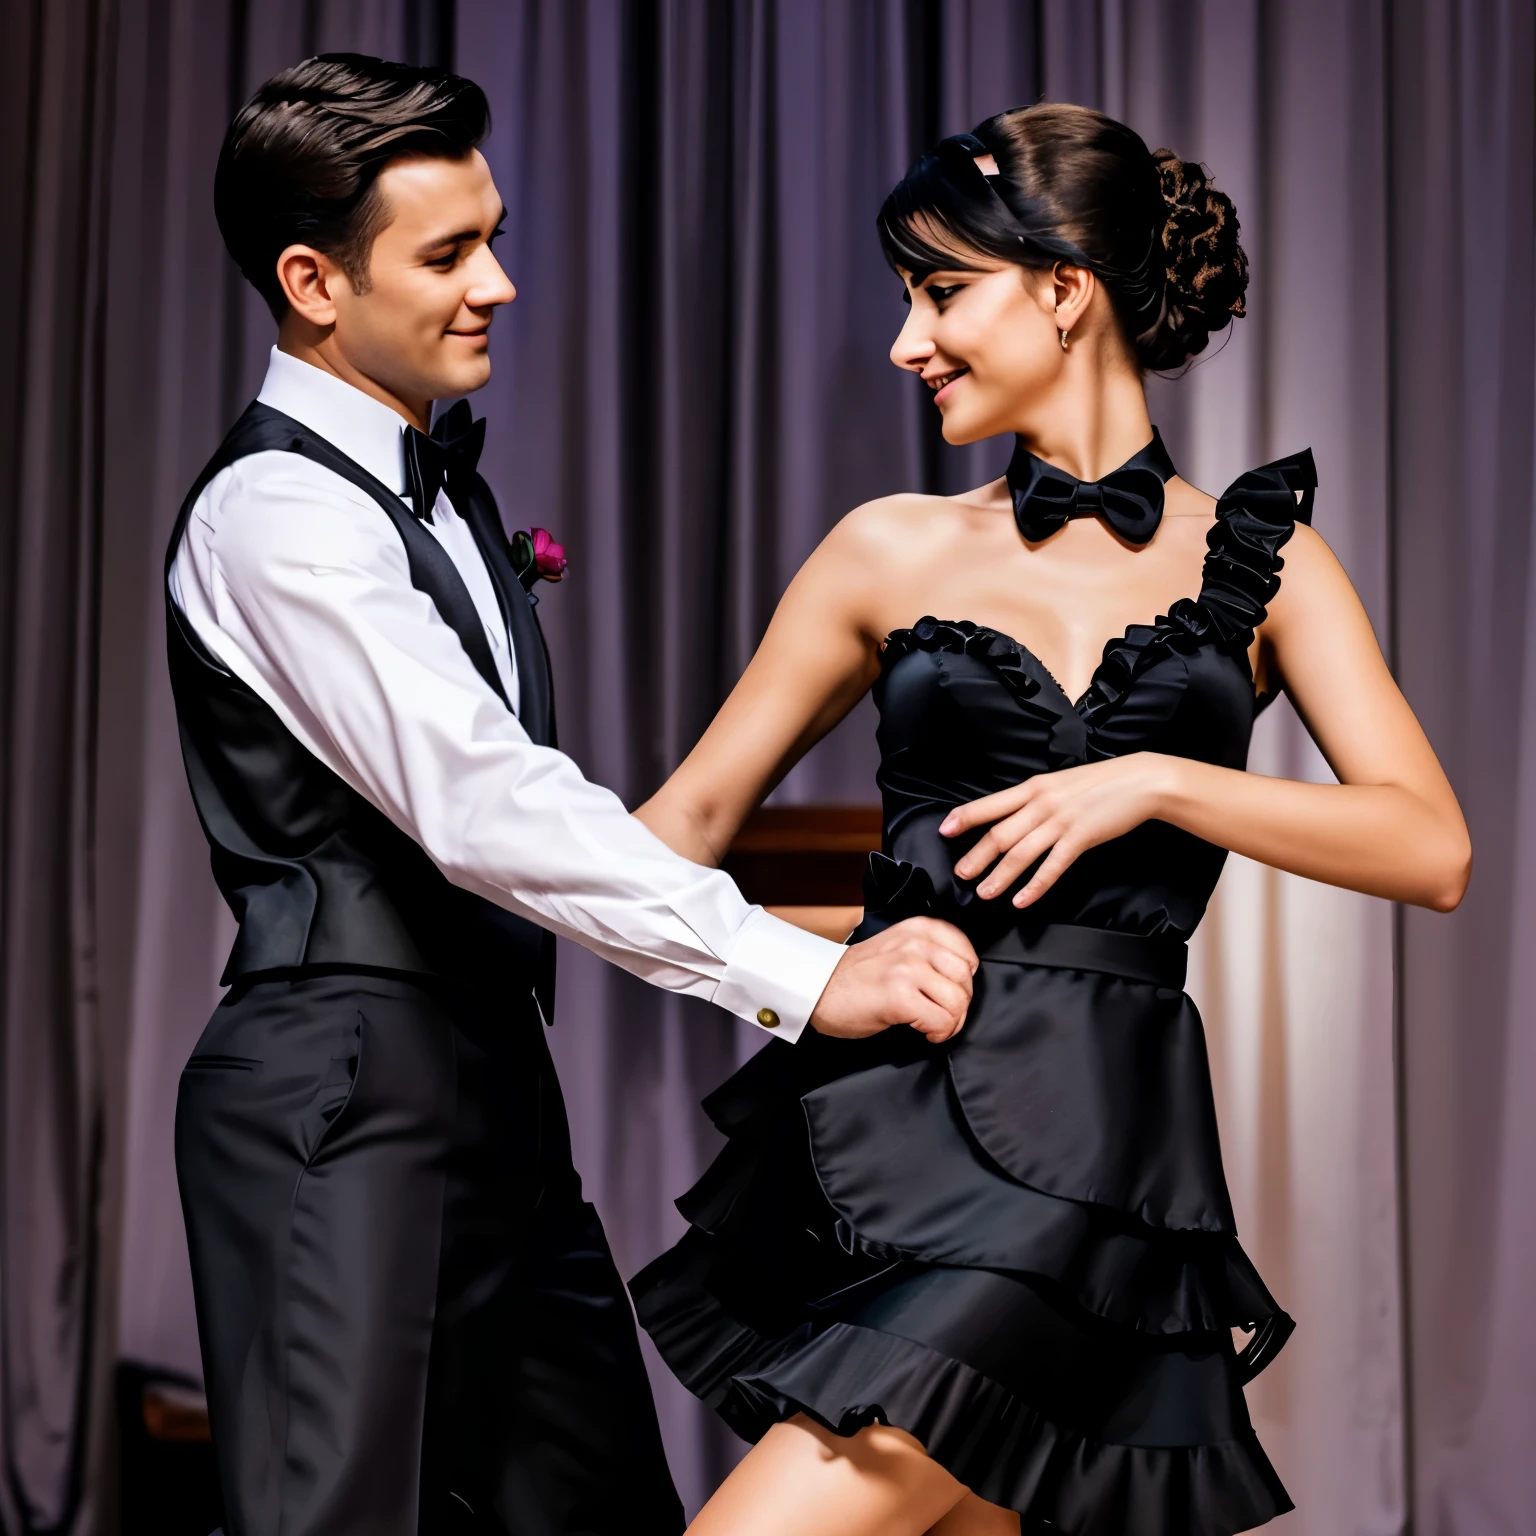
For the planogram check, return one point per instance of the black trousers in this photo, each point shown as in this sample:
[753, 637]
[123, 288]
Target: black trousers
[410, 1319]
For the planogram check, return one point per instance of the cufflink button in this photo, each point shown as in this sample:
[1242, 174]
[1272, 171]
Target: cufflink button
[767, 1018]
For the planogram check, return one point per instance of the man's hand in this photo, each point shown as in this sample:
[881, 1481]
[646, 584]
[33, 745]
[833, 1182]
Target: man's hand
[918, 972]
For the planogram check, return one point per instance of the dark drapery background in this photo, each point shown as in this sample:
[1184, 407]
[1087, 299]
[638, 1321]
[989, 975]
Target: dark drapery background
[1463, 194]
[690, 389]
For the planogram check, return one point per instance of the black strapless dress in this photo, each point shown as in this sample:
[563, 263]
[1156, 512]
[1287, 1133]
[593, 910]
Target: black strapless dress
[1018, 1247]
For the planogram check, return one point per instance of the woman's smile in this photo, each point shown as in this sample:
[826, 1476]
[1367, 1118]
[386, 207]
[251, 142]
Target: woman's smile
[942, 383]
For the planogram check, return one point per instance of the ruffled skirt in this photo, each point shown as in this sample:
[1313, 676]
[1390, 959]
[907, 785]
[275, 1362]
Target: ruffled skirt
[1019, 1249]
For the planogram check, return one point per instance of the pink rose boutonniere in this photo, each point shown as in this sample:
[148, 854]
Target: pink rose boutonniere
[536, 557]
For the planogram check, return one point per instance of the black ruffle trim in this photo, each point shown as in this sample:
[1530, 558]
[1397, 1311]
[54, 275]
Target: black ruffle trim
[1255, 517]
[1150, 1280]
[960, 637]
[1019, 669]
[1010, 1455]
[848, 1377]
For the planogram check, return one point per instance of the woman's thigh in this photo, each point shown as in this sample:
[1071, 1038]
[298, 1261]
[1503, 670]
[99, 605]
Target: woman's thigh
[802, 1480]
[975, 1517]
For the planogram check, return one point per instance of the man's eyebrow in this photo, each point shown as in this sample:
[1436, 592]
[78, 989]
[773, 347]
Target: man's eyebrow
[459, 236]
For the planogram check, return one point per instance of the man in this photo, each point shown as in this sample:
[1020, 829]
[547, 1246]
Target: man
[409, 1318]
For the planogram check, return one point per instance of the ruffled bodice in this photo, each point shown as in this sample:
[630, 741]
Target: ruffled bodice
[1018, 1245]
[966, 711]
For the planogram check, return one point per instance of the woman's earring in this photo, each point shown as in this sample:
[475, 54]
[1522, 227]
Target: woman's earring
[1063, 336]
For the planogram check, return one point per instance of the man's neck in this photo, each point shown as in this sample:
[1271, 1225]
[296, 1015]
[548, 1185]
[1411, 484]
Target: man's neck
[321, 351]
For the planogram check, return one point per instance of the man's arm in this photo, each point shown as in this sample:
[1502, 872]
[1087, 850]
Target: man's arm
[301, 588]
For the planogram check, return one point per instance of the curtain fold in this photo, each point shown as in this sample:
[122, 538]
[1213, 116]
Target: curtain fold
[57, 91]
[1463, 194]
[691, 388]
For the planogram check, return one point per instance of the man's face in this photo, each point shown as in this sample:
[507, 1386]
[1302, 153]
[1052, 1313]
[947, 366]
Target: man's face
[422, 329]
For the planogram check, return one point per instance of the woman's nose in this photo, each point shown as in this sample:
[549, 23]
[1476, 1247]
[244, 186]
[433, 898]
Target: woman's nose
[913, 346]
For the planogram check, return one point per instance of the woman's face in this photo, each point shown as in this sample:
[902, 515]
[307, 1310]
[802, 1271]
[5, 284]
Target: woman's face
[986, 342]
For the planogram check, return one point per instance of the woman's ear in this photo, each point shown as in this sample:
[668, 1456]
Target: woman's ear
[306, 275]
[1074, 288]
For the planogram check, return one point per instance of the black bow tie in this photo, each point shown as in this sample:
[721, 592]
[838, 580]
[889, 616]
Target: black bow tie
[1129, 499]
[444, 461]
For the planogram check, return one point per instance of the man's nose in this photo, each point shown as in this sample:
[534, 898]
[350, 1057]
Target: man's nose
[491, 285]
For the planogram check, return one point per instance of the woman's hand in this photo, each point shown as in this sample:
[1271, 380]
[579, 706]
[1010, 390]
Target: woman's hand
[1056, 817]
[1390, 827]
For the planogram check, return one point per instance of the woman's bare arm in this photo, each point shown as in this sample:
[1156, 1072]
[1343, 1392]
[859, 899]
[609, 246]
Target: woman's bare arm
[819, 657]
[1391, 827]
[814, 664]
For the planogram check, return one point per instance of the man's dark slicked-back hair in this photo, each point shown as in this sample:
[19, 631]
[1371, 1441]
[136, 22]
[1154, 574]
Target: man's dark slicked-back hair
[300, 164]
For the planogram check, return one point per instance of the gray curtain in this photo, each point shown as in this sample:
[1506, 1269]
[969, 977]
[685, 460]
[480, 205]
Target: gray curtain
[1462, 197]
[54, 86]
[690, 389]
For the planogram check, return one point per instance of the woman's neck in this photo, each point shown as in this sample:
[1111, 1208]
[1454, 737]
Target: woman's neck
[1093, 420]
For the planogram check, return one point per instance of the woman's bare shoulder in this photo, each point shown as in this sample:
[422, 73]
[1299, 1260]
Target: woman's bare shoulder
[893, 535]
[1316, 603]
[1308, 565]
[1311, 573]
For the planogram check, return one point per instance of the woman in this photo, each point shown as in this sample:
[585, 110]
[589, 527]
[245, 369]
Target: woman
[988, 1285]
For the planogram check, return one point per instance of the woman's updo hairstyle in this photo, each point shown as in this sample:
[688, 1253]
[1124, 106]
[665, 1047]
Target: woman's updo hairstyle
[1076, 186]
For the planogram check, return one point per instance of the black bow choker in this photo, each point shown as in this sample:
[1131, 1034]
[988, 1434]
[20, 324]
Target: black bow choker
[1129, 499]
[444, 461]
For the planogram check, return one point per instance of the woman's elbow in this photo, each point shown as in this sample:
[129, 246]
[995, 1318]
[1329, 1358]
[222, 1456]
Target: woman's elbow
[1452, 876]
[686, 825]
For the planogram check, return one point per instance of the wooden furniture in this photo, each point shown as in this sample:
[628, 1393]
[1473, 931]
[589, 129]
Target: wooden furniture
[805, 863]
[168, 1482]
[175, 1414]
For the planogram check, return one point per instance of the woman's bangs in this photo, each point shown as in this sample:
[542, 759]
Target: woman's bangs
[922, 243]
[929, 224]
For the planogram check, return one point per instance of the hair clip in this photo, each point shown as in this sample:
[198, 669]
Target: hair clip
[974, 150]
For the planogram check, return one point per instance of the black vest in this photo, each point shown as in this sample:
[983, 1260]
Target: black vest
[315, 876]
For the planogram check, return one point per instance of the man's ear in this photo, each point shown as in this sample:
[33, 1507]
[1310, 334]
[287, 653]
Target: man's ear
[307, 277]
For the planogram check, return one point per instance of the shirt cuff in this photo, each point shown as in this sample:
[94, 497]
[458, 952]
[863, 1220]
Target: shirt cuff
[776, 974]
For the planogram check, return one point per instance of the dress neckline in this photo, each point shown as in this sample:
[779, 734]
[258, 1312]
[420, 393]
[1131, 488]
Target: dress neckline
[1255, 516]
[969, 627]
[1076, 704]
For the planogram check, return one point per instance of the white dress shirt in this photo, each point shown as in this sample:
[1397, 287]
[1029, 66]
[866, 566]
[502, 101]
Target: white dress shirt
[296, 581]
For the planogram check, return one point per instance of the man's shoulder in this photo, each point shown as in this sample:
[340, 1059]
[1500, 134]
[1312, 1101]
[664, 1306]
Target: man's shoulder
[276, 505]
[274, 474]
